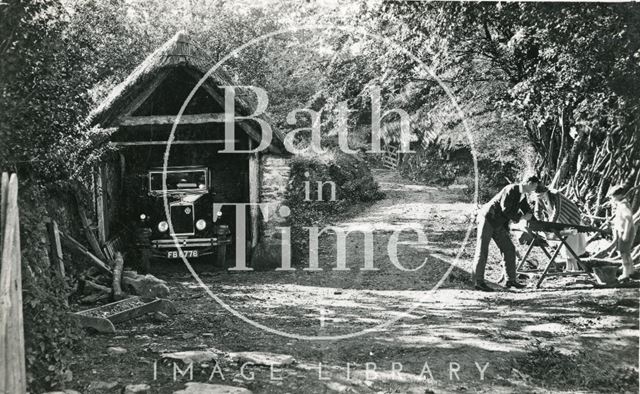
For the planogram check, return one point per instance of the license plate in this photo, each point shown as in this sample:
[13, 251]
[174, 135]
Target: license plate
[174, 254]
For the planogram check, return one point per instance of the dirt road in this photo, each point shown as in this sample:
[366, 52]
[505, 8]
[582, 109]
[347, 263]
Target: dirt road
[450, 340]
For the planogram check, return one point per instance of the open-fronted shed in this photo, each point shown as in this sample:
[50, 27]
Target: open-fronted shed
[140, 114]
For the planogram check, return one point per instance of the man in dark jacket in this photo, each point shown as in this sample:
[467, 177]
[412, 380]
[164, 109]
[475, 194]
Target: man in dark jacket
[493, 223]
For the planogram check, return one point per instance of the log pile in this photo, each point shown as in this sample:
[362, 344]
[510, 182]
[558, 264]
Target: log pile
[104, 279]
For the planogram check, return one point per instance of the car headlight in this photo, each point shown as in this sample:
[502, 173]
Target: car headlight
[201, 224]
[163, 226]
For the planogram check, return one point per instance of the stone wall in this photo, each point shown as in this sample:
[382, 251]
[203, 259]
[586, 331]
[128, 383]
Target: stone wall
[274, 179]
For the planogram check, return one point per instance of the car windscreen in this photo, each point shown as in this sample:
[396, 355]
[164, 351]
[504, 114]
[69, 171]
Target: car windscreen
[179, 180]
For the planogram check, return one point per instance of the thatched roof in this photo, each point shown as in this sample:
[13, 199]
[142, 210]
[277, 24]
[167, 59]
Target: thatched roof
[179, 51]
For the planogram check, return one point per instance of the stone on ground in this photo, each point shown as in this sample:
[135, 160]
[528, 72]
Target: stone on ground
[137, 389]
[263, 358]
[338, 387]
[67, 391]
[116, 350]
[146, 286]
[160, 317]
[192, 356]
[101, 386]
[207, 388]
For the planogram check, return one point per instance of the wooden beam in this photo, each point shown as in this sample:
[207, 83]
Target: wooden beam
[123, 172]
[180, 142]
[154, 120]
[158, 305]
[250, 130]
[74, 244]
[142, 97]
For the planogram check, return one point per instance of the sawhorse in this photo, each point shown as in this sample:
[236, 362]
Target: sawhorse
[561, 237]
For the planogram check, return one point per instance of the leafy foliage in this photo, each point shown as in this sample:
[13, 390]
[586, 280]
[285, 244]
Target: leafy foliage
[555, 369]
[528, 62]
[353, 184]
[50, 334]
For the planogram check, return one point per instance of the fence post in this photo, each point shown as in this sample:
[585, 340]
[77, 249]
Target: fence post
[12, 358]
[55, 248]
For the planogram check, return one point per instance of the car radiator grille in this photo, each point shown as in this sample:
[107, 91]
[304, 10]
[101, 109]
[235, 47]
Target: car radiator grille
[182, 219]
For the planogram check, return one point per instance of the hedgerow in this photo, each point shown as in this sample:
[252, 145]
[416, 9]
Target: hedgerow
[50, 334]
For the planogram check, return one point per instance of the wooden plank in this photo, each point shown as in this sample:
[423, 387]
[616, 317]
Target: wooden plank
[180, 142]
[71, 242]
[55, 248]
[88, 233]
[153, 306]
[155, 120]
[106, 306]
[12, 358]
[4, 186]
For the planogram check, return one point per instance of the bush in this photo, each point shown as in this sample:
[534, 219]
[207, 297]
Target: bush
[50, 334]
[433, 166]
[353, 181]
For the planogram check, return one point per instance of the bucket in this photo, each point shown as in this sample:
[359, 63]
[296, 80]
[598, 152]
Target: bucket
[606, 275]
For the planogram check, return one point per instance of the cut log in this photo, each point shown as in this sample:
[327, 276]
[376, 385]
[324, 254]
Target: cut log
[93, 287]
[118, 294]
[93, 298]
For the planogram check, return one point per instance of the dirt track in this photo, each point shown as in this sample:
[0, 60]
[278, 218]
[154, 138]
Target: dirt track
[595, 331]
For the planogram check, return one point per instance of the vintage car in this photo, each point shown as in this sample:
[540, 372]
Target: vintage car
[193, 225]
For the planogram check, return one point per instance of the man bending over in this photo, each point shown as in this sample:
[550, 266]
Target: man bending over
[493, 223]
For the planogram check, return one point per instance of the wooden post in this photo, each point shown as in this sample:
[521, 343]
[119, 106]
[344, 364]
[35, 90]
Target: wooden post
[100, 204]
[12, 357]
[254, 193]
[3, 207]
[123, 172]
[55, 248]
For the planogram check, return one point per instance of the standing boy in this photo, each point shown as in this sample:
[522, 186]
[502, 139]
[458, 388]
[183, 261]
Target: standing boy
[624, 230]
